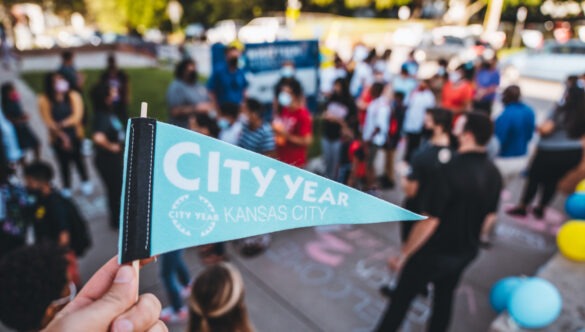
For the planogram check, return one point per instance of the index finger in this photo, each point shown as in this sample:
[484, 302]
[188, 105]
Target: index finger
[99, 284]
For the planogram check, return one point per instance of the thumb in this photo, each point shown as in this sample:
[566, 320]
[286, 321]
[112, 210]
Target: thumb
[122, 295]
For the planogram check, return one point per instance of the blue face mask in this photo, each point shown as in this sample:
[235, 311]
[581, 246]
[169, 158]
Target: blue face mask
[223, 123]
[284, 99]
[287, 72]
[441, 71]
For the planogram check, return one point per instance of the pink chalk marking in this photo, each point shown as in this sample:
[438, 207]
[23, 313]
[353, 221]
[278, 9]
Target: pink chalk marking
[548, 225]
[328, 249]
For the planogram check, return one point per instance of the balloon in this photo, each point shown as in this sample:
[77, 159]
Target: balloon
[536, 303]
[502, 291]
[575, 206]
[580, 187]
[571, 240]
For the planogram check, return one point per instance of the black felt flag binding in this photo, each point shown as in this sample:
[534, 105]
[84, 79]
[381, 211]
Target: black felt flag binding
[136, 216]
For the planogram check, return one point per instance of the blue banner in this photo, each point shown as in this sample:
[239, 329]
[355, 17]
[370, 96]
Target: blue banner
[263, 62]
[201, 190]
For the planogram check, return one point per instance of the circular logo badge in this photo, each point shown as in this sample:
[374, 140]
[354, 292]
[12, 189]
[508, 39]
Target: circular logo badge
[193, 215]
[445, 156]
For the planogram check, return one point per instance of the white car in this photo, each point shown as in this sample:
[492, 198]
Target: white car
[264, 30]
[553, 62]
[224, 32]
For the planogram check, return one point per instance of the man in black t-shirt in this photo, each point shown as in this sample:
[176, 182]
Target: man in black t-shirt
[464, 197]
[50, 211]
[426, 162]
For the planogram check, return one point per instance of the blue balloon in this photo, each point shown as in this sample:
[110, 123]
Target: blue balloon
[502, 291]
[575, 206]
[535, 304]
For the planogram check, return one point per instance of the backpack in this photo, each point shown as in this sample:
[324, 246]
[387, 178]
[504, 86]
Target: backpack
[80, 237]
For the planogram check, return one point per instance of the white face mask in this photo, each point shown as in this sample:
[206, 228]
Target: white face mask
[287, 72]
[284, 99]
[61, 86]
[454, 77]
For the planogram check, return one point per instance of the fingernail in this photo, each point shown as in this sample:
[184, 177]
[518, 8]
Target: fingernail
[123, 325]
[124, 275]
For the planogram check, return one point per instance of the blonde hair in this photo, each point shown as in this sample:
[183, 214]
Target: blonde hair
[217, 301]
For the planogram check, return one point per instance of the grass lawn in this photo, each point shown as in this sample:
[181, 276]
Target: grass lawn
[146, 84]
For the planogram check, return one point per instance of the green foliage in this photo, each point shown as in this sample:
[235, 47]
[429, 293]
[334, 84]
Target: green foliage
[120, 15]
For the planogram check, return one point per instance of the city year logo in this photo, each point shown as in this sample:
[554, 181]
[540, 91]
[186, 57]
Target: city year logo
[193, 215]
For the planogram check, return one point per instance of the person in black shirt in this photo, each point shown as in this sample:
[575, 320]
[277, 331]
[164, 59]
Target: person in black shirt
[464, 197]
[425, 164]
[117, 80]
[340, 111]
[108, 137]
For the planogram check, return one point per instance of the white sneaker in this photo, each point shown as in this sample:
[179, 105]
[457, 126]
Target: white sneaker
[87, 188]
[66, 192]
[169, 316]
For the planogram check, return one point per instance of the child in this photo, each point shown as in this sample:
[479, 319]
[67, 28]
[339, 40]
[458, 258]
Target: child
[53, 214]
[217, 301]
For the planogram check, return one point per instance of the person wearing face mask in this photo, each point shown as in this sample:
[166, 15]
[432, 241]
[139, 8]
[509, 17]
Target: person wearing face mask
[439, 79]
[186, 96]
[418, 180]
[53, 214]
[340, 114]
[108, 137]
[118, 82]
[62, 111]
[229, 123]
[462, 200]
[287, 75]
[514, 129]
[420, 100]
[457, 94]
[228, 83]
[293, 126]
[12, 109]
[404, 83]
[487, 82]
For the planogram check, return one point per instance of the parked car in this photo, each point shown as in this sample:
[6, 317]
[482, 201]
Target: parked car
[554, 62]
[195, 32]
[264, 30]
[455, 49]
[224, 32]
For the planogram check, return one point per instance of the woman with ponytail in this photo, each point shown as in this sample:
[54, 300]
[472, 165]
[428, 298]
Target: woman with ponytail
[217, 301]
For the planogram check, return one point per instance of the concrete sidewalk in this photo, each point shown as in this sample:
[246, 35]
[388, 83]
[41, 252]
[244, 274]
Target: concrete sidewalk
[327, 279]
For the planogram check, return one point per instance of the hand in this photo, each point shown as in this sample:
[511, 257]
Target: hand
[115, 148]
[65, 141]
[396, 263]
[109, 301]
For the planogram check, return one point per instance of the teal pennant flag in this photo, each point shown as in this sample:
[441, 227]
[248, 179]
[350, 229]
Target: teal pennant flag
[183, 189]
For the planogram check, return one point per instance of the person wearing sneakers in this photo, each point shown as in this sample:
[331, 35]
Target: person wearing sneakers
[375, 132]
[217, 301]
[559, 150]
[176, 279]
[61, 108]
[514, 129]
[464, 200]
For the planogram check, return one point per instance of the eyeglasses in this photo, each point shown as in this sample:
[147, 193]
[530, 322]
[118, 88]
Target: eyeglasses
[65, 300]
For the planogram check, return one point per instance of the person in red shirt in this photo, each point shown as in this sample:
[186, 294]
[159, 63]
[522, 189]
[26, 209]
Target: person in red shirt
[457, 95]
[293, 126]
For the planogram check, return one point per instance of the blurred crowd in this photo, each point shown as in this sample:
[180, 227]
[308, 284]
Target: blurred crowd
[437, 138]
